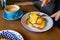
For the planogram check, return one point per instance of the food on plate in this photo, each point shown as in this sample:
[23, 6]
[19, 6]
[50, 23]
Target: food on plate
[36, 20]
[2, 38]
[32, 18]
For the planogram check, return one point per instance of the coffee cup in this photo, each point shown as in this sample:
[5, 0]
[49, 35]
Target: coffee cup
[12, 11]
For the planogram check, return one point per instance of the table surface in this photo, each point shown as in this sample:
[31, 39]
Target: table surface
[52, 34]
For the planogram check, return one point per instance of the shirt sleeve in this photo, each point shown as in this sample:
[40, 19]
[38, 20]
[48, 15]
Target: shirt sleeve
[58, 5]
[48, 9]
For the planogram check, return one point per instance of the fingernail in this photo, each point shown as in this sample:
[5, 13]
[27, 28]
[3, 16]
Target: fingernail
[41, 5]
[56, 19]
[51, 16]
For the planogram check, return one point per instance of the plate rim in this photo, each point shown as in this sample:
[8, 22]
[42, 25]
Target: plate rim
[37, 31]
[13, 33]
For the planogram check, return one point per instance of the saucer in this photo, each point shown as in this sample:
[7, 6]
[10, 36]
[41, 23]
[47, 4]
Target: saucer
[17, 17]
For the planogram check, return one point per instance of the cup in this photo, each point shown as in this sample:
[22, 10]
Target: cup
[12, 11]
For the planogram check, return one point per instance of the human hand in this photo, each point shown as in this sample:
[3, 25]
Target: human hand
[56, 16]
[45, 2]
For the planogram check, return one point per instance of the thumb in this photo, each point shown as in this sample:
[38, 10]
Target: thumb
[43, 3]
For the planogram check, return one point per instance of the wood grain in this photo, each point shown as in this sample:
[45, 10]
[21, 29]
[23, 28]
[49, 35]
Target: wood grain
[52, 34]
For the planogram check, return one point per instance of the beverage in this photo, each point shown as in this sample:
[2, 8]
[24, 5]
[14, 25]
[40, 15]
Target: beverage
[12, 8]
[12, 12]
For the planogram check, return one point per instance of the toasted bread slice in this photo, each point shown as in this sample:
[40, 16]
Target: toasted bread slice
[33, 18]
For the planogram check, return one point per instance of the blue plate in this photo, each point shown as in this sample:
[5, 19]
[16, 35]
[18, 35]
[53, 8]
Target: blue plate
[17, 17]
[11, 35]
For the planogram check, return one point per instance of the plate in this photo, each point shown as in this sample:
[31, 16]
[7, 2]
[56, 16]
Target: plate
[49, 23]
[17, 17]
[11, 35]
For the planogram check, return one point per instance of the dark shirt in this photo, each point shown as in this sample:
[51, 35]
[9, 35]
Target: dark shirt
[58, 5]
[48, 9]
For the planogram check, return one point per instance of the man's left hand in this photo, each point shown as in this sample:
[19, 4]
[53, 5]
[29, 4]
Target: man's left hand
[45, 2]
[56, 16]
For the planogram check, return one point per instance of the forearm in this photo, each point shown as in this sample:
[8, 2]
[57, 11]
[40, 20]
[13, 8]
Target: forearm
[25, 3]
[28, 3]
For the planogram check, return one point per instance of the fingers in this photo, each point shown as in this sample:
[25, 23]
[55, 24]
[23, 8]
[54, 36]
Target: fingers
[45, 2]
[53, 15]
[48, 1]
[57, 17]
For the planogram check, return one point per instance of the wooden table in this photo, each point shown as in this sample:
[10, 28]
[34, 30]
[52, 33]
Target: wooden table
[52, 34]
